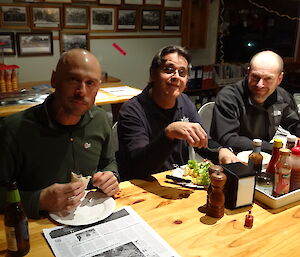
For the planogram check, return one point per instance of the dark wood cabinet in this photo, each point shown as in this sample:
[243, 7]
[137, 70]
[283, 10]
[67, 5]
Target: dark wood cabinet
[195, 19]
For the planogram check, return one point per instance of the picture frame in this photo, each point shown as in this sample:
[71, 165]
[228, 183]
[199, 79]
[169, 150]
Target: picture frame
[34, 43]
[172, 20]
[133, 2]
[153, 2]
[76, 17]
[111, 2]
[14, 16]
[84, 1]
[46, 17]
[151, 19]
[58, 1]
[173, 3]
[127, 19]
[9, 47]
[74, 39]
[102, 19]
[29, 1]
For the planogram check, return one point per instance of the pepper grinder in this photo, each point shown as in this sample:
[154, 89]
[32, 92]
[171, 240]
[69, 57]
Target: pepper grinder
[216, 198]
[212, 169]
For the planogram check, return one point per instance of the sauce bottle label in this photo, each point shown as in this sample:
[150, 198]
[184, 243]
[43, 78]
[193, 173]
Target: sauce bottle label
[282, 181]
[11, 239]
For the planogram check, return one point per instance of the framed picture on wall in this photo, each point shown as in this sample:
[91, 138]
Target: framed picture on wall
[118, 2]
[8, 38]
[34, 43]
[46, 17]
[70, 40]
[136, 2]
[153, 2]
[14, 16]
[172, 20]
[102, 19]
[127, 19]
[173, 3]
[151, 19]
[58, 1]
[29, 1]
[76, 16]
[84, 1]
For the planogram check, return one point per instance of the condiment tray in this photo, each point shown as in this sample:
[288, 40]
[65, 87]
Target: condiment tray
[276, 202]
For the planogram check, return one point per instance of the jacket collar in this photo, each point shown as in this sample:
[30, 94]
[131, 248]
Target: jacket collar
[86, 118]
[145, 98]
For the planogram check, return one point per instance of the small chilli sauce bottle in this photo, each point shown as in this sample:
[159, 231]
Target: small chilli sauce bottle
[277, 144]
[282, 176]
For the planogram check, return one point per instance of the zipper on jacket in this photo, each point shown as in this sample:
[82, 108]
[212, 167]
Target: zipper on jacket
[73, 151]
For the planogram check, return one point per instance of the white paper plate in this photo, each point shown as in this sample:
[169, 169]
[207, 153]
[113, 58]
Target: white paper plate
[243, 156]
[95, 206]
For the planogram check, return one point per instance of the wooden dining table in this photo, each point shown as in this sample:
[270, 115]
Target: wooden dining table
[106, 98]
[177, 214]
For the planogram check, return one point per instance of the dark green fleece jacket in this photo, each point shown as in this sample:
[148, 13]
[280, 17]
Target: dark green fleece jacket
[37, 152]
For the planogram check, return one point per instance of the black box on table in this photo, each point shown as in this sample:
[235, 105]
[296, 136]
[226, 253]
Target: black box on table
[240, 185]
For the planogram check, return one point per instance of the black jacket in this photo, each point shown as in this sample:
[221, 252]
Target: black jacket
[237, 121]
[144, 149]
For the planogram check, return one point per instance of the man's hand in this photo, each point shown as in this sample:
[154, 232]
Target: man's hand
[226, 156]
[61, 197]
[193, 133]
[107, 182]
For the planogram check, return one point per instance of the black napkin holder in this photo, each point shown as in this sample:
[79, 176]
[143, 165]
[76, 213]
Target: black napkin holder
[240, 185]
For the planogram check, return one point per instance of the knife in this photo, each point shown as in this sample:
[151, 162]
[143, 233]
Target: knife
[178, 179]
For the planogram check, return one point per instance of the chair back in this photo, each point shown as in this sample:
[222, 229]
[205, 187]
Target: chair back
[205, 113]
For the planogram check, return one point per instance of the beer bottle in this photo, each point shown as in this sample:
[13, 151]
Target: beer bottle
[282, 177]
[277, 144]
[16, 224]
[256, 158]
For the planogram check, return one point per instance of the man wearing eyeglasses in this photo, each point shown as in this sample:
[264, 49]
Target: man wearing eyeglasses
[255, 107]
[42, 145]
[156, 127]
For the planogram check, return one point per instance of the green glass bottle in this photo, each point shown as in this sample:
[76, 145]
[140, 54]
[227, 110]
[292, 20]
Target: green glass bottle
[16, 223]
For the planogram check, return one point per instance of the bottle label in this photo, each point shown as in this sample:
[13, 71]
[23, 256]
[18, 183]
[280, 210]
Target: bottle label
[282, 181]
[11, 239]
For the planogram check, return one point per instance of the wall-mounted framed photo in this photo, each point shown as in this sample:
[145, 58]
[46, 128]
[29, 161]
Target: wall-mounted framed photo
[76, 17]
[173, 3]
[14, 16]
[172, 20]
[8, 38]
[127, 19]
[85, 1]
[34, 43]
[136, 2]
[29, 1]
[46, 17]
[153, 2]
[58, 1]
[70, 40]
[116, 2]
[151, 19]
[102, 19]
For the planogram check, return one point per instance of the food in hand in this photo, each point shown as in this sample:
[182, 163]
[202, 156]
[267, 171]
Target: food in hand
[85, 179]
[197, 172]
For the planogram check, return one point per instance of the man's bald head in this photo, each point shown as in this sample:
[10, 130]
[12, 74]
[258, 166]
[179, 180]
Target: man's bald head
[268, 58]
[75, 57]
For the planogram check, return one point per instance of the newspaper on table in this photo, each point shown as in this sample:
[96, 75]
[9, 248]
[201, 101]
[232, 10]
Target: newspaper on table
[122, 91]
[124, 233]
